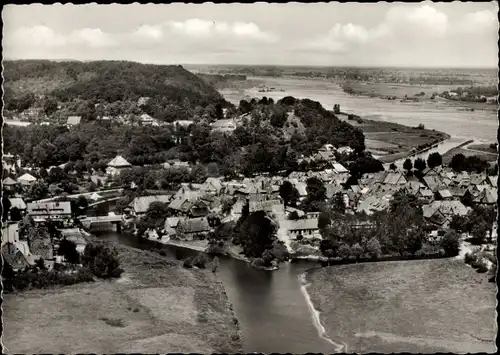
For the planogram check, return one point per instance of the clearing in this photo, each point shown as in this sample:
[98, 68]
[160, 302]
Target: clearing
[439, 305]
[156, 306]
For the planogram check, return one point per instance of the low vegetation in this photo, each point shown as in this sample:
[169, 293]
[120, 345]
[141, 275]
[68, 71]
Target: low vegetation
[99, 261]
[407, 306]
[157, 304]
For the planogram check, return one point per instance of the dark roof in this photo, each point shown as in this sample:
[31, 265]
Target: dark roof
[194, 225]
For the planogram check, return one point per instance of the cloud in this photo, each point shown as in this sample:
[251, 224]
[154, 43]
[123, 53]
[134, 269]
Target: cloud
[424, 19]
[92, 37]
[485, 21]
[147, 32]
[197, 28]
[38, 36]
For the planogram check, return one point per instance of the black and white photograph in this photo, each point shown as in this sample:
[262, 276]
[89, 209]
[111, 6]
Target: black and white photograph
[250, 178]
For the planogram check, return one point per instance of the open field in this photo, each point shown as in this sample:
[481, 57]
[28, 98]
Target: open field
[439, 305]
[483, 147]
[393, 141]
[395, 89]
[469, 152]
[156, 306]
[399, 91]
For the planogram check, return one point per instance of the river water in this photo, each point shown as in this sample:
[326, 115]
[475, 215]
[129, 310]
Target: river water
[479, 125]
[272, 310]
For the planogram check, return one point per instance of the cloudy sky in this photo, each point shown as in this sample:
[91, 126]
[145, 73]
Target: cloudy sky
[377, 34]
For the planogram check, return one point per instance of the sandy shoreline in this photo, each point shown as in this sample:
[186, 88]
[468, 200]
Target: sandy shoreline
[315, 315]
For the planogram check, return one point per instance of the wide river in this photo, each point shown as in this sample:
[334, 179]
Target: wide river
[479, 125]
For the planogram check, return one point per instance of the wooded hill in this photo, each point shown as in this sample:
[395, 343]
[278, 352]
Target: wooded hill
[41, 83]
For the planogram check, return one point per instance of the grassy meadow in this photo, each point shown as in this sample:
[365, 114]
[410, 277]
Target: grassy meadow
[156, 306]
[426, 306]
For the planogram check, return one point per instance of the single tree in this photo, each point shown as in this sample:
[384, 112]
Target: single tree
[67, 248]
[435, 159]
[420, 164]
[458, 162]
[407, 165]
[393, 166]
[373, 248]
[450, 243]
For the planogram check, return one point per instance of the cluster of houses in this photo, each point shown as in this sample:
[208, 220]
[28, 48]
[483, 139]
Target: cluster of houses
[21, 250]
[195, 207]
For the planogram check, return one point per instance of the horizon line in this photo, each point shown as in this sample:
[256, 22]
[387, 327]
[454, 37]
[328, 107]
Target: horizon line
[258, 65]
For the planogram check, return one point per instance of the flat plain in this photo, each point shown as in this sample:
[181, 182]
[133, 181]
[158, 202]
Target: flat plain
[156, 304]
[426, 306]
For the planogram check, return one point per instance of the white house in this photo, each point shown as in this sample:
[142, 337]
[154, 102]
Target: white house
[42, 211]
[117, 165]
[73, 120]
[26, 179]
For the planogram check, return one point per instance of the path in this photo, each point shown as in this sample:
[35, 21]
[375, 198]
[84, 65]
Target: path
[442, 148]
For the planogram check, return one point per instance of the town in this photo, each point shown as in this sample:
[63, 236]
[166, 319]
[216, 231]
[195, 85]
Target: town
[213, 178]
[329, 188]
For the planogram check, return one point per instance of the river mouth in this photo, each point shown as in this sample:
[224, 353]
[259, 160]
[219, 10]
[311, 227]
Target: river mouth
[272, 310]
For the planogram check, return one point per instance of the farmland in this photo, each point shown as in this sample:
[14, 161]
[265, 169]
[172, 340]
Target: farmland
[155, 306]
[439, 305]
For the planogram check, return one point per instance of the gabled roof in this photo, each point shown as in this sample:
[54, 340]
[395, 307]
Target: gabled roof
[180, 204]
[173, 222]
[26, 177]
[9, 181]
[478, 179]
[433, 182]
[194, 225]
[487, 196]
[394, 178]
[74, 120]
[119, 162]
[17, 202]
[339, 168]
[445, 193]
[13, 256]
[493, 180]
[142, 203]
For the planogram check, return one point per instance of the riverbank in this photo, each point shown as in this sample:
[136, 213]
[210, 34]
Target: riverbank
[201, 246]
[391, 141]
[411, 92]
[438, 305]
[156, 305]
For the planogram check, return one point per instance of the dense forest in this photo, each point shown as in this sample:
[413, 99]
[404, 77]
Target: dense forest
[79, 87]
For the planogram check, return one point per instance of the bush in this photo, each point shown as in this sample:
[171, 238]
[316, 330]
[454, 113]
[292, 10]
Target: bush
[481, 266]
[259, 262]
[470, 258]
[102, 261]
[188, 262]
[200, 261]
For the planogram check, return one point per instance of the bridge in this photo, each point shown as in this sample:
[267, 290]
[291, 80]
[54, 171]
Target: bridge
[102, 219]
[104, 193]
[104, 201]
